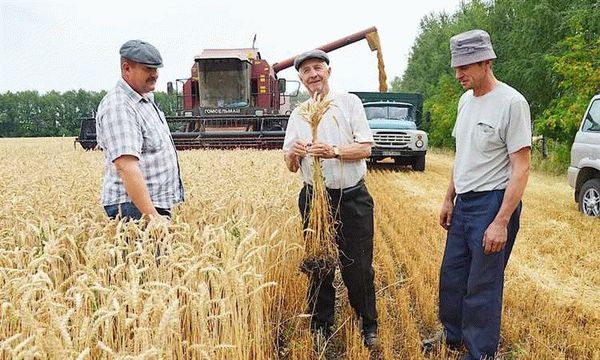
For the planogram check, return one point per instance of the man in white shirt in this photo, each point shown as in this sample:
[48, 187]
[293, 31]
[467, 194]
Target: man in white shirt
[344, 143]
[482, 206]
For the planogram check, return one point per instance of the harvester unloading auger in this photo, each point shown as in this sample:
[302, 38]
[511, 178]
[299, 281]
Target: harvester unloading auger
[234, 99]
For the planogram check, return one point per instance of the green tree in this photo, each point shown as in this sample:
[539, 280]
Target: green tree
[578, 68]
[28, 113]
[443, 106]
[166, 102]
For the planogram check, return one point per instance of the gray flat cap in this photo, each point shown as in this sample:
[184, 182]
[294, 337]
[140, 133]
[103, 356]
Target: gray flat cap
[312, 54]
[141, 52]
[471, 47]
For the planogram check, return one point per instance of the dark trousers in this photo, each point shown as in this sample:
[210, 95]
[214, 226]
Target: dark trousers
[129, 211]
[353, 212]
[471, 282]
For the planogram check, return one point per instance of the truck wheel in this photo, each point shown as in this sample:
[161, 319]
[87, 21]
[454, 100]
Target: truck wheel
[589, 198]
[419, 163]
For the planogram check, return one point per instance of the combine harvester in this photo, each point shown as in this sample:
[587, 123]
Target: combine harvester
[234, 99]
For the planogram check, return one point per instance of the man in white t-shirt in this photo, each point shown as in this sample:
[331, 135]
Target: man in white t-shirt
[344, 143]
[482, 206]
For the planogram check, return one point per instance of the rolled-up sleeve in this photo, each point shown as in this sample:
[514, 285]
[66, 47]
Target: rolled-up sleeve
[360, 126]
[121, 133]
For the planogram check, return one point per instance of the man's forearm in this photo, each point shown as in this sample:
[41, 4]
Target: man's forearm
[512, 196]
[451, 191]
[133, 181]
[292, 161]
[448, 205]
[355, 151]
[515, 188]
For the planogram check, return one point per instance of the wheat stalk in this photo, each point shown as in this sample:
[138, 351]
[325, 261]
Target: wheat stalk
[236, 232]
[320, 246]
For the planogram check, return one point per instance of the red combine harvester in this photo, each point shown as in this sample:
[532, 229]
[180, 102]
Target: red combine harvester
[233, 99]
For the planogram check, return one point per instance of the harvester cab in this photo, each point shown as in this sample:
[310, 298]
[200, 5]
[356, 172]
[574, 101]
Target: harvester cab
[232, 81]
[233, 99]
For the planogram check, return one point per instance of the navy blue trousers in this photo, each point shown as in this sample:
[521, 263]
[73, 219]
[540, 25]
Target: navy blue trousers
[471, 282]
[129, 211]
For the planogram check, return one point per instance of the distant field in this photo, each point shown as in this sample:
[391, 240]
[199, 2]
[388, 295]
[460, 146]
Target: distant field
[74, 285]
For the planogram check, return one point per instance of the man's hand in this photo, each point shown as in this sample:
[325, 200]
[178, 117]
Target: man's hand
[293, 156]
[494, 238]
[446, 213]
[321, 150]
[159, 219]
[299, 149]
[158, 222]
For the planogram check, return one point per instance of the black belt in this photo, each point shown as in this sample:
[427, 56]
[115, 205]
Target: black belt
[345, 191]
[474, 194]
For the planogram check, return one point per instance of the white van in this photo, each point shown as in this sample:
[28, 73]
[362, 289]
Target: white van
[584, 171]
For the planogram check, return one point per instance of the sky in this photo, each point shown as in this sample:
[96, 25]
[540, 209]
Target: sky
[69, 45]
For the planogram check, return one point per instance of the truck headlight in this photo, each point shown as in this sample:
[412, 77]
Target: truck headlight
[419, 143]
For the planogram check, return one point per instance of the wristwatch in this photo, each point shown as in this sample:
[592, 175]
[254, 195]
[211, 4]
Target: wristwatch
[336, 152]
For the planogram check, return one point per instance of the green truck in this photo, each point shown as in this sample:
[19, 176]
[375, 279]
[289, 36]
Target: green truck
[395, 119]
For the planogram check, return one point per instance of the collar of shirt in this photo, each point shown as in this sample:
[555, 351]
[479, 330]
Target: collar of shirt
[132, 94]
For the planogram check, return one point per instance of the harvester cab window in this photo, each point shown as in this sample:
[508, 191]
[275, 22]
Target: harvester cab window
[224, 83]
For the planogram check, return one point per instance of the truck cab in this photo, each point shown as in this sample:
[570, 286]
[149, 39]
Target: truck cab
[394, 119]
[584, 171]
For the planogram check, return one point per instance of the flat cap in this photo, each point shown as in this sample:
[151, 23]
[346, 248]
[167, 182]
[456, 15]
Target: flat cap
[141, 52]
[471, 47]
[312, 54]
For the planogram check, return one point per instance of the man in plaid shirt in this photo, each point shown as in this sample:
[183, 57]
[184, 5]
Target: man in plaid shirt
[141, 172]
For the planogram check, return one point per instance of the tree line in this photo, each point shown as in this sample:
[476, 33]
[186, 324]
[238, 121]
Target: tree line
[548, 50]
[31, 114]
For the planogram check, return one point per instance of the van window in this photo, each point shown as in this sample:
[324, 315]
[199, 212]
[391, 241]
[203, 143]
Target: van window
[592, 119]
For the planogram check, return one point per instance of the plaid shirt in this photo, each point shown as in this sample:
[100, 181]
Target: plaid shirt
[130, 124]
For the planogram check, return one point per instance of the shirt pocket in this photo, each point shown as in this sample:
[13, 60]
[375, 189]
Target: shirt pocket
[153, 140]
[486, 137]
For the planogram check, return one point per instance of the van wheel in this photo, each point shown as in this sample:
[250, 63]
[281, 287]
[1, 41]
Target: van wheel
[419, 163]
[589, 198]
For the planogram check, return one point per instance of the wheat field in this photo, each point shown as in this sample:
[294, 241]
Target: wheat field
[222, 281]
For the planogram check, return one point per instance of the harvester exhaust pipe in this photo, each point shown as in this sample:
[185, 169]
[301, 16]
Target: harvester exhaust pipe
[372, 38]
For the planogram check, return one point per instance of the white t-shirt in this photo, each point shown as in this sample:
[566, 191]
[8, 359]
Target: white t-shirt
[488, 128]
[344, 123]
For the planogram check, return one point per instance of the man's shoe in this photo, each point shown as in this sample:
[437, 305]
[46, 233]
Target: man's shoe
[435, 342]
[371, 339]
